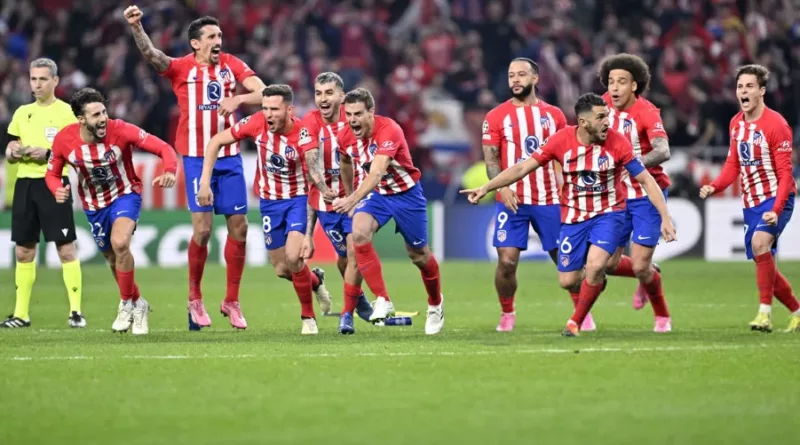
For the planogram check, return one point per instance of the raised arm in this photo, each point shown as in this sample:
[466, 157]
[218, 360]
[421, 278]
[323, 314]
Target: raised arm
[156, 57]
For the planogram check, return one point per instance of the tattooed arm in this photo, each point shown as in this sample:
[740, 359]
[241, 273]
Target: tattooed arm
[316, 172]
[156, 57]
[491, 156]
[659, 155]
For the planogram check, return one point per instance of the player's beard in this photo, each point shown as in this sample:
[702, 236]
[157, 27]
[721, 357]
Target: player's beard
[94, 129]
[524, 94]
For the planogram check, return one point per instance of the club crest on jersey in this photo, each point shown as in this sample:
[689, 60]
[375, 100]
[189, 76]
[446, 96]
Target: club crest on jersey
[214, 91]
[757, 138]
[531, 144]
[225, 74]
[627, 126]
[501, 235]
[603, 162]
[290, 152]
[110, 156]
[564, 260]
[544, 122]
[373, 147]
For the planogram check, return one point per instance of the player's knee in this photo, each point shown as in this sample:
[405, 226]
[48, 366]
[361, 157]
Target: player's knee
[507, 265]
[361, 236]
[201, 236]
[25, 253]
[595, 269]
[567, 281]
[120, 243]
[642, 269]
[237, 227]
[419, 257]
[613, 262]
[67, 252]
[282, 271]
[761, 245]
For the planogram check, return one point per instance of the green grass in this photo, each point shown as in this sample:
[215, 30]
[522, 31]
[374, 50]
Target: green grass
[710, 381]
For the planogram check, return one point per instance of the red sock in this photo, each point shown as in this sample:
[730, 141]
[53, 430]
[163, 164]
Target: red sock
[656, 295]
[302, 285]
[234, 257]
[624, 268]
[370, 267]
[314, 281]
[126, 284]
[588, 295]
[197, 262]
[430, 276]
[351, 294]
[784, 293]
[507, 304]
[576, 297]
[136, 292]
[765, 277]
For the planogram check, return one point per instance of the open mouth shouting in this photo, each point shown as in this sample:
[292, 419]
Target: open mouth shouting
[215, 52]
[357, 128]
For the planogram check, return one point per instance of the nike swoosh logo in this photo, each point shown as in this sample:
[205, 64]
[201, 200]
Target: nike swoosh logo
[417, 243]
[297, 224]
[602, 242]
[644, 237]
[121, 212]
[239, 207]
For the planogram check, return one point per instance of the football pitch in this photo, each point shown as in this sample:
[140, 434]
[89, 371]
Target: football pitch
[710, 381]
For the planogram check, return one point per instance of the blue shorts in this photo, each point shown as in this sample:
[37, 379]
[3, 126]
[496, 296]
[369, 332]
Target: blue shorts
[227, 184]
[511, 229]
[642, 221]
[282, 216]
[337, 226]
[409, 210]
[753, 223]
[573, 242]
[101, 221]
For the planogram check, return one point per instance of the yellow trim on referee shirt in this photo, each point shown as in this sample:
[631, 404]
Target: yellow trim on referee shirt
[36, 126]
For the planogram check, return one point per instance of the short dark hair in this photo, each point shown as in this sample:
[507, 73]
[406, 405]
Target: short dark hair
[534, 65]
[360, 95]
[630, 63]
[198, 24]
[587, 102]
[282, 90]
[329, 77]
[761, 73]
[84, 96]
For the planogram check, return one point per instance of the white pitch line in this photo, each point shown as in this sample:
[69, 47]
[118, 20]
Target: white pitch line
[500, 351]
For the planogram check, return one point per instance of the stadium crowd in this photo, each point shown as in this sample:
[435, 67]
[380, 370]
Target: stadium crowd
[414, 54]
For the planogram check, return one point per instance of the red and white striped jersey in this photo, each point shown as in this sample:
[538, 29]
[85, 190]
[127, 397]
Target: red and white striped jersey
[315, 133]
[200, 88]
[517, 131]
[387, 139]
[105, 169]
[761, 151]
[640, 124]
[281, 173]
[592, 175]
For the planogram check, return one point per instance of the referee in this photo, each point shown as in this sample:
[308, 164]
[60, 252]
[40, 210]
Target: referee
[34, 209]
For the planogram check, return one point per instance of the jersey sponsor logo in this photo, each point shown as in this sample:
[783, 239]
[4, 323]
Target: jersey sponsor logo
[277, 163]
[50, 133]
[214, 91]
[208, 107]
[102, 176]
[589, 182]
[785, 146]
[531, 144]
[746, 155]
[387, 144]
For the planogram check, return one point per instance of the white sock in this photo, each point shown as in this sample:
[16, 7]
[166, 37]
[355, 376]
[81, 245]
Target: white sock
[765, 308]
